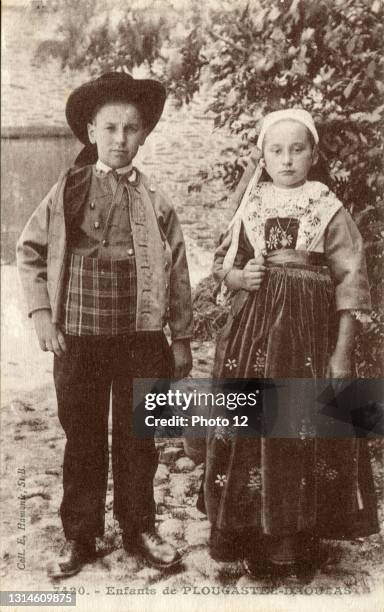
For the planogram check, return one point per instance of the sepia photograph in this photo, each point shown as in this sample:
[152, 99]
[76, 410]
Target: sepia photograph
[192, 320]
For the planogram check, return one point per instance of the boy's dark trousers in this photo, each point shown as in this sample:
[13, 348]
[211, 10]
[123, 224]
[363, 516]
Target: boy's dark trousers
[83, 378]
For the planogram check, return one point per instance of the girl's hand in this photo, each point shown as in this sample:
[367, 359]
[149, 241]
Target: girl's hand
[340, 363]
[253, 274]
[50, 336]
[340, 366]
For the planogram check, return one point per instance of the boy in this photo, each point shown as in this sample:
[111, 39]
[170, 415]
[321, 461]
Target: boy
[103, 265]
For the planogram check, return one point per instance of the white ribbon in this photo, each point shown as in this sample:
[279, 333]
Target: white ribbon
[237, 218]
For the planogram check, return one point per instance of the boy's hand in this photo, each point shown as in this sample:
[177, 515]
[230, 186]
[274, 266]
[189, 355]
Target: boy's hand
[49, 335]
[253, 274]
[183, 358]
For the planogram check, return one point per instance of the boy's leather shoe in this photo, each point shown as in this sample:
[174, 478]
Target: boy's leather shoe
[153, 548]
[72, 558]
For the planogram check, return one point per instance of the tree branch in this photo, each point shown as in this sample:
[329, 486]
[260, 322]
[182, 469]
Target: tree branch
[228, 42]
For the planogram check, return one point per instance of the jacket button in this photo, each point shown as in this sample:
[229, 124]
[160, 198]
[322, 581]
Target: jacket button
[166, 285]
[92, 206]
[96, 225]
[130, 251]
[105, 243]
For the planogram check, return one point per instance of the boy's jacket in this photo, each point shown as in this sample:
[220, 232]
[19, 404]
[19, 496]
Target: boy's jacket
[163, 287]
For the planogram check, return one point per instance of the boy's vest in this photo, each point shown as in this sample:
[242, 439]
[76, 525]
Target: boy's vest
[152, 252]
[101, 283]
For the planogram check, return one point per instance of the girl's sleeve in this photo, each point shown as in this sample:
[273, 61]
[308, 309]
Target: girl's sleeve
[245, 252]
[344, 250]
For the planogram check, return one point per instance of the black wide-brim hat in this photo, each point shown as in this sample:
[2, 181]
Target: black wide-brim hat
[147, 94]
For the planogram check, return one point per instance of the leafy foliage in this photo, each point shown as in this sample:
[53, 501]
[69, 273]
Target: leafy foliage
[325, 56]
[102, 36]
[209, 315]
[257, 56]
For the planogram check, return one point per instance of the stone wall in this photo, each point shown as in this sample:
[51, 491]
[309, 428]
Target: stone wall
[29, 168]
[36, 144]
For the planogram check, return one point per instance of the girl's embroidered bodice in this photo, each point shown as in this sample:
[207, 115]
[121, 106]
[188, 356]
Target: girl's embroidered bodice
[289, 218]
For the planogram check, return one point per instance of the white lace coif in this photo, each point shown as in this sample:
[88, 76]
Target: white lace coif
[295, 114]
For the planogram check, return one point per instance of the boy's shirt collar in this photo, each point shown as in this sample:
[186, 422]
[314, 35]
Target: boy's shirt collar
[102, 167]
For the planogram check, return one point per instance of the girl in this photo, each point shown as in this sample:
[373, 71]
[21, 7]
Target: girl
[294, 260]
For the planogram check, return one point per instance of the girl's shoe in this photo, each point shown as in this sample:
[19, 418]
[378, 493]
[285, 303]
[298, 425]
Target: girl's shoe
[257, 567]
[283, 551]
[225, 546]
[312, 552]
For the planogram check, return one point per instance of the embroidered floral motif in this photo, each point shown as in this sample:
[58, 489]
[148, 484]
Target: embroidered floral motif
[224, 434]
[278, 238]
[324, 471]
[231, 364]
[274, 238]
[313, 204]
[259, 365]
[331, 474]
[307, 429]
[221, 479]
[286, 240]
[314, 221]
[220, 434]
[309, 365]
[255, 479]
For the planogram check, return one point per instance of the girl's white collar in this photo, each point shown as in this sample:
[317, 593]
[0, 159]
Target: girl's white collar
[290, 190]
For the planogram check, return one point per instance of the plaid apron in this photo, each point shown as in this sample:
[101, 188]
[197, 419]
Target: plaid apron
[100, 297]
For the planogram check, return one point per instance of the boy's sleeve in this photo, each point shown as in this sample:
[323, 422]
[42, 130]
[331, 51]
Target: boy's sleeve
[180, 298]
[344, 250]
[31, 256]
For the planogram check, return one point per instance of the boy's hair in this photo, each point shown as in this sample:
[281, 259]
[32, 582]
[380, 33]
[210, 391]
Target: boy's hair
[118, 100]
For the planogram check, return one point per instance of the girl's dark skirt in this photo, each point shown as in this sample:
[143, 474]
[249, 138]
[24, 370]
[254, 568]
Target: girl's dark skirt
[268, 487]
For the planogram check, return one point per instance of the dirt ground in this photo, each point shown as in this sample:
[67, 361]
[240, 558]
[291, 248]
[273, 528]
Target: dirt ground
[32, 450]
